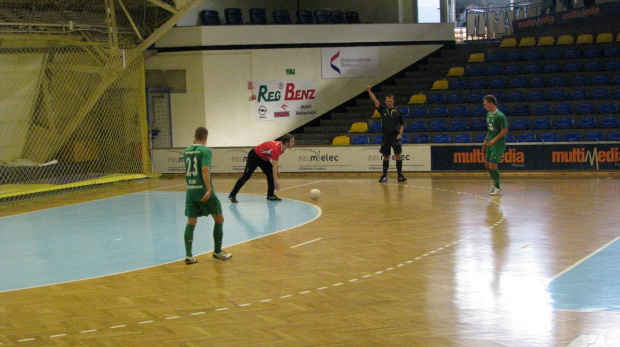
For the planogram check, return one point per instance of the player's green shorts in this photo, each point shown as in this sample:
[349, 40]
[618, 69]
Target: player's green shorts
[195, 208]
[494, 153]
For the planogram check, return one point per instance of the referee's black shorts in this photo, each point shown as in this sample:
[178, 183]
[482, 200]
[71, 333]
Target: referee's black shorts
[388, 142]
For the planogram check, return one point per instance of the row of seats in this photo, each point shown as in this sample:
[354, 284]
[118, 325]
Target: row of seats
[523, 82]
[517, 110]
[233, 16]
[467, 138]
[536, 68]
[566, 39]
[538, 54]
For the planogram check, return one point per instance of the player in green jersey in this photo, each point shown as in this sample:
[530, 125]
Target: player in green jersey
[200, 198]
[494, 143]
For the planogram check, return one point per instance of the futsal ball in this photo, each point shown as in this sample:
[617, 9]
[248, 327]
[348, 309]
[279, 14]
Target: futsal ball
[315, 193]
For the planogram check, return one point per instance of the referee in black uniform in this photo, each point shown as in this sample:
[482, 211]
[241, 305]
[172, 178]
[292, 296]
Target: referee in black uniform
[392, 126]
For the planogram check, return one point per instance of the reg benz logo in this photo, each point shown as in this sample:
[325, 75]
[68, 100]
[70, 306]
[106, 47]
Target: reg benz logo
[262, 110]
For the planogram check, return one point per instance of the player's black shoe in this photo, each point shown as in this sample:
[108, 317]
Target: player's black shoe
[273, 198]
[190, 260]
[383, 179]
[402, 179]
[232, 199]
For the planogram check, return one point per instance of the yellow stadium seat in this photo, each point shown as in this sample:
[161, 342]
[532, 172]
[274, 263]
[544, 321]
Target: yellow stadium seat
[456, 71]
[508, 42]
[376, 114]
[605, 38]
[527, 41]
[618, 38]
[476, 58]
[546, 41]
[584, 39]
[359, 127]
[565, 40]
[341, 141]
[440, 85]
[417, 99]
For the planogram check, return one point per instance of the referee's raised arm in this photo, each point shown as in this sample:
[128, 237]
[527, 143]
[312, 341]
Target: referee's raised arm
[372, 96]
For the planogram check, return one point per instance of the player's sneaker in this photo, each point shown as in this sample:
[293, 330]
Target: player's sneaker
[233, 199]
[190, 260]
[222, 255]
[383, 179]
[495, 191]
[402, 179]
[273, 198]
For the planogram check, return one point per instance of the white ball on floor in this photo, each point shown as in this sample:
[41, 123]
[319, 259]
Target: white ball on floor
[315, 193]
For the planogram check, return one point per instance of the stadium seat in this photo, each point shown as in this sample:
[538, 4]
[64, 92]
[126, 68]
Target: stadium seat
[528, 137]
[359, 127]
[478, 125]
[586, 123]
[573, 66]
[360, 140]
[419, 112]
[404, 138]
[538, 82]
[550, 137]
[510, 138]
[353, 17]
[552, 68]
[233, 16]
[615, 79]
[558, 81]
[337, 17]
[552, 54]
[474, 98]
[599, 80]
[592, 66]
[600, 93]
[591, 53]
[533, 69]
[542, 110]
[531, 55]
[584, 39]
[557, 95]
[585, 108]
[497, 83]
[513, 56]
[441, 111]
[607, 108]
[375, 127]
[571, 136]
[521, 110]
[536, 95]
[438, 125]
[441, 138]
[611, 52]
[459, 111]
[455, 98]
[546, 41]
[564, 123]
[516, 96]
[417, 126]
[281, 17]
[562, 109]
[579, 80]
[504, 109]
[210, 17]
[478, 111]
[304, 17]
[480, 138]
[462, 138]
[542, 123]
[421, 138]
[341, 141]
[614, 136]
[377, 140]
[376, 114]
[518, 82]
[474, 70]
[612, 66]
[459, 125]
[604, 38]
[404, 111]
[493, 70]
[527, 41]
[500, 96]
[513, 70]
[508, 42]
[594, 136]
[495, 57]
[608, 122]
[565, 40]
[417, 99]
[456, 71]
[321, 17]
[436, 98]
[478, 83]
[476, 58]
[258, 16]
[572, 53]
[579, 94]
[616, 94]
[458, 84]
[520, 124]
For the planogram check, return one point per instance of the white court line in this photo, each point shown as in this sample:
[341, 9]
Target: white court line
[305, 243]
[301, 185]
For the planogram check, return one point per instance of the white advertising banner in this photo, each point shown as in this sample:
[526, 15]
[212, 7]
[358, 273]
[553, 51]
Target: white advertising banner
[286, 99]
[344, 62]
[303, 159]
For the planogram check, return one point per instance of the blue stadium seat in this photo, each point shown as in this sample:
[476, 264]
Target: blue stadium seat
[558, 81]
[322, 17]
[210, 17]
[404, 138]
[512, 70]
[579, 80]
[458, 125]
[494, 57]
[537, 95]
[337, 17]
[608, 122]
[419, 112]
[579, 94]
[571, 53]
[614, 136]
[455, 98]
[513, 56]
[475, 98]
[281, 17]
[557, 95]
[459, 111]
[493, 70]
[441, 111]
[585, 108]
[592, 66]
[586, 123]
[521, 110]
[552, 54]
[573, 66]
[480, 138]
[233, 16]
[533, 68]
[500, 96]
[599, 80]
[510, 138]
[462, 138]
[542, 110]
[478, 83]
[600, 93]
[538, 82]
[611, 52]
[458, 84]
[612, 65]
[421, 138]
[550, 137]
[441, 138]
[571, 136]
[404, 111]
[504, 109]
[436, 98]
[377, 140]
[615, 79]
[562, 109]
[478, 124]
[516, 96]
[594, 136]
[565, 123]
[375, 127]
[478, 111]
[474, 70]
[353, 17]
[531, 55]
[497, 83]
[607, 107]
[518, 82]
[520, 124]
[438, 125]
[616, 94]
[417, 126]
[360, 140]
[542, 123]
[528, 137]
[258, 16]
[304, 17]
[592, 53]
[552, 68]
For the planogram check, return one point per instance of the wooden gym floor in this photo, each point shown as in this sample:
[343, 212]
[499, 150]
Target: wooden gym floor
[434, 261]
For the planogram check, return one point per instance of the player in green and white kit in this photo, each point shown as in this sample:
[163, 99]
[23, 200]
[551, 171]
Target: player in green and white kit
[494, 143]
[200, 198]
